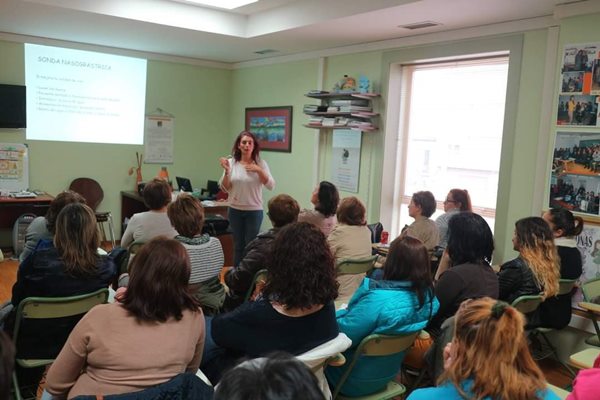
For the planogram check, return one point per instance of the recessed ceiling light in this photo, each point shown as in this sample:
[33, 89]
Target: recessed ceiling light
[227, 4]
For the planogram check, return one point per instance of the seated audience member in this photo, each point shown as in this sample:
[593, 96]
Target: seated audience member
[68, 266]
[555, 312]
[422, 206]
[153, 333]
[470, 275]
[325, 198]
[295, 313]
[283, 210]
[488, 358]
[146, 225]
[350, 239]
[586, 385]
[276, 377]
[402, 303]
[206, 254]
[536, 268]
[457, 200]
[7, 362]
[43, 227]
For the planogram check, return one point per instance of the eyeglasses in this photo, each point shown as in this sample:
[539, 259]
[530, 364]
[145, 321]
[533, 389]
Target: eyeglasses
[449, 201]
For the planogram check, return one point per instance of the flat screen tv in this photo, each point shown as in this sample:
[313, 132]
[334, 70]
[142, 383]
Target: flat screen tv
[12, 106]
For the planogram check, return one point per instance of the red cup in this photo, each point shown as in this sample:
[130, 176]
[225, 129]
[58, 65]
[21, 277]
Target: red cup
[384, 237]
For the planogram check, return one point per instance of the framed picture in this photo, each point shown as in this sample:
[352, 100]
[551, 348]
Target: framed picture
[575, 178]
[272, 127]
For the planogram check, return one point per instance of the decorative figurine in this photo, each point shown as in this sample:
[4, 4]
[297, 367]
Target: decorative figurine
[363, 84]
[346, 84]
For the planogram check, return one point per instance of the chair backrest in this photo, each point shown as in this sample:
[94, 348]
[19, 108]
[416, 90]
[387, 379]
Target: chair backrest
[37, 308]
[527, 304]
[135, 247]
[565, 286]
[90, 190]
[328, 353]
[591, 289]
[376, 345]
[260, 277]
[356, 266]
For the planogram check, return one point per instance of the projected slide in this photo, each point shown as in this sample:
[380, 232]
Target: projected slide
[83, 96]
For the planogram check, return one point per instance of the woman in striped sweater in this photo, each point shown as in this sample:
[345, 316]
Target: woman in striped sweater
[206, 254]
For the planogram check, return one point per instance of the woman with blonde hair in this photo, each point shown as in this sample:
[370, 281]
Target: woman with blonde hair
[487, 329]
[536, 270]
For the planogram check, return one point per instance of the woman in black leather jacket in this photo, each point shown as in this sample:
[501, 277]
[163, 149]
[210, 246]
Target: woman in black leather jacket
[536, 269]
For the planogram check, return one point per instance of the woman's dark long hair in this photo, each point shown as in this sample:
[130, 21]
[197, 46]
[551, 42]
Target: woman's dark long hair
[408, 260]
[158, 283]
[471, 240]
[328, 197]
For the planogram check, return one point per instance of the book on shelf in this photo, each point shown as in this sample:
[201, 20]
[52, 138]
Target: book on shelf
[354, 109]
[352, 102]
[308, 108]
[328, 122]
[333, 109]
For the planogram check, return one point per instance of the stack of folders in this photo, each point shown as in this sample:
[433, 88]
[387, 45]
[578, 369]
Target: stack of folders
[309, 108]
[316, 121]
[351, 105]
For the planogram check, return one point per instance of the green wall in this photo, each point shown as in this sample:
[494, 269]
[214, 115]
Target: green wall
[198, 97]
[280, 85]
[209, 104]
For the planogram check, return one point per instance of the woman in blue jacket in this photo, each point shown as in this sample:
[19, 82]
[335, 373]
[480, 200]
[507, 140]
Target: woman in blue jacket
[401, 303]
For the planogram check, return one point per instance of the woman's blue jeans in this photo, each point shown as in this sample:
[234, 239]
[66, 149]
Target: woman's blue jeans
[245, 226]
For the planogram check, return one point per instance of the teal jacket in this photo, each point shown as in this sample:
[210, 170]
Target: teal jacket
[383, 307]
[448, 391]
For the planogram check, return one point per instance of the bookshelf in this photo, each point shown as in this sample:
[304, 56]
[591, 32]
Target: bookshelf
[339, 110]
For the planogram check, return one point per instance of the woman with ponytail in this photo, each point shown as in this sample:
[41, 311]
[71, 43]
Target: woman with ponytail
[555, 312]
[536, 270]
[488, 358]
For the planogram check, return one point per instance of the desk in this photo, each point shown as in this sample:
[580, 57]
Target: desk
[133, 203]
[11, 208]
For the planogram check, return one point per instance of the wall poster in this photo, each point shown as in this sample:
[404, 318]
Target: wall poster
[346, 159]
[14, 167]
[158, 139]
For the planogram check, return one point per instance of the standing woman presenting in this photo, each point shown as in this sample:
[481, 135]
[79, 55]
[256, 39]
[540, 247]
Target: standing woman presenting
[243, 178]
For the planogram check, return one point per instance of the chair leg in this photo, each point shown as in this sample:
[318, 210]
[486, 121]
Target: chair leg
[102, 231]
[112, 230]
[555, 354]
[15, 382]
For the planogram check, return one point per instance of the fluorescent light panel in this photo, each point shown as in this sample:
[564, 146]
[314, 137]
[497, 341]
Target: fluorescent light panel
[227, 4]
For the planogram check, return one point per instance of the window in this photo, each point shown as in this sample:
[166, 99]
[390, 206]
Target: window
[450, 135]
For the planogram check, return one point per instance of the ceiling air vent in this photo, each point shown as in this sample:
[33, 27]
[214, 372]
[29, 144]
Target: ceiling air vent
[420, 25]
[266, 51]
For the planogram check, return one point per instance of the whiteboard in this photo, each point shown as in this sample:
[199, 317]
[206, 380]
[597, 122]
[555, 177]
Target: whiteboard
[14, 167]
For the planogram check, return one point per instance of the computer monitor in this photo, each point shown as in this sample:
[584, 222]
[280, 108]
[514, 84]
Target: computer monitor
[184, 184]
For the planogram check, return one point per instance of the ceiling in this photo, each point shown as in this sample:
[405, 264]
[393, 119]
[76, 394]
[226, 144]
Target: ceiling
[289, 27]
